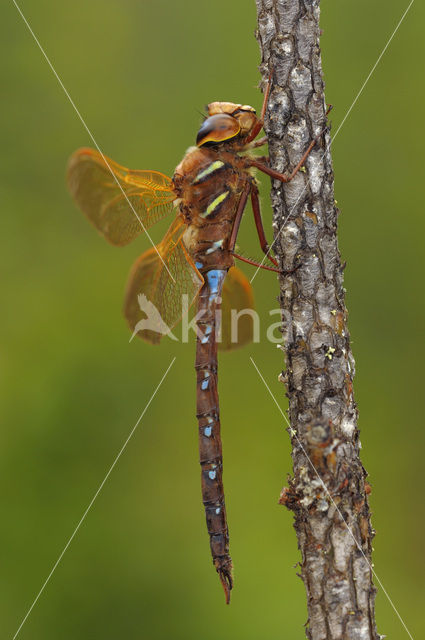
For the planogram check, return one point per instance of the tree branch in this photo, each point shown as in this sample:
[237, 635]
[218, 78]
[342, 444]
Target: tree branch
[327, 493]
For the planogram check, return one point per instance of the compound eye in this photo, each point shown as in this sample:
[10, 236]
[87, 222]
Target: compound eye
[217, 128]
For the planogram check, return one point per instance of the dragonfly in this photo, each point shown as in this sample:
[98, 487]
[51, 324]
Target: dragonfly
[205, 198]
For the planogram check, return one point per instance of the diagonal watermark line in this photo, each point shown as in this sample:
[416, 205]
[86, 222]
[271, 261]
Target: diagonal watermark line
[332, 500]
[373, 69]
[93, 500]
[337, 131]
[90, 134]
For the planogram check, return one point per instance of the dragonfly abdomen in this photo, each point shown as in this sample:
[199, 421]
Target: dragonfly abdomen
[208, 414]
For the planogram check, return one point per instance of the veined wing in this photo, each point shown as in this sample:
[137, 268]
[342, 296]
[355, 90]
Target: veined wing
[237, 303]
[154, 302]
[119, 202]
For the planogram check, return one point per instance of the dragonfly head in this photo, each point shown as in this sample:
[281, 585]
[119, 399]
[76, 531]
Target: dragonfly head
[225, 121]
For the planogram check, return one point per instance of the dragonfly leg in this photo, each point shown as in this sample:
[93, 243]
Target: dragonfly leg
[258, 143]
[259, 124]
[256, 264]
[238, 216]
[285, 177]
[259, 225]
[282, 272]
[263, 159]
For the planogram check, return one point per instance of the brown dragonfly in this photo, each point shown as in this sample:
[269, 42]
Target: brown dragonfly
[206, 198]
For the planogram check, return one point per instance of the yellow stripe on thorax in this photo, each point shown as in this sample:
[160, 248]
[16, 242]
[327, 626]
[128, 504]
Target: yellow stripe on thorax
[214, 166]
[214, 204]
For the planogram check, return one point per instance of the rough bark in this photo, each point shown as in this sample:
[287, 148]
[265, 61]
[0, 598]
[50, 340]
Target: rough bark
[336, 564]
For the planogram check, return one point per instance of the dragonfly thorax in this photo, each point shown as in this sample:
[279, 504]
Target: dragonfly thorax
[210, 182]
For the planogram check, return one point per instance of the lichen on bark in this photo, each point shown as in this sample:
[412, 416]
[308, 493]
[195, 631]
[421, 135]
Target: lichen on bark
[328, 491]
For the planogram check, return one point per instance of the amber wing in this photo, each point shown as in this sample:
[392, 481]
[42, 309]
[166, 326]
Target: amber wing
[163, 284]
[236, 306]
[119, 202]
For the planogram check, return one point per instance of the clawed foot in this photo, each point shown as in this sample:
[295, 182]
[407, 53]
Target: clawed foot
[284, 272]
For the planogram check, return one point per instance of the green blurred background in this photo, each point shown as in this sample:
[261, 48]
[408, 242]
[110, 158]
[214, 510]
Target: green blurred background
[72, 387]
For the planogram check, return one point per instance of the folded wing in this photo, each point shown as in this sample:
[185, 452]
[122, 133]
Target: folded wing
[119, 202]
[163, 284]
[237, 307]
